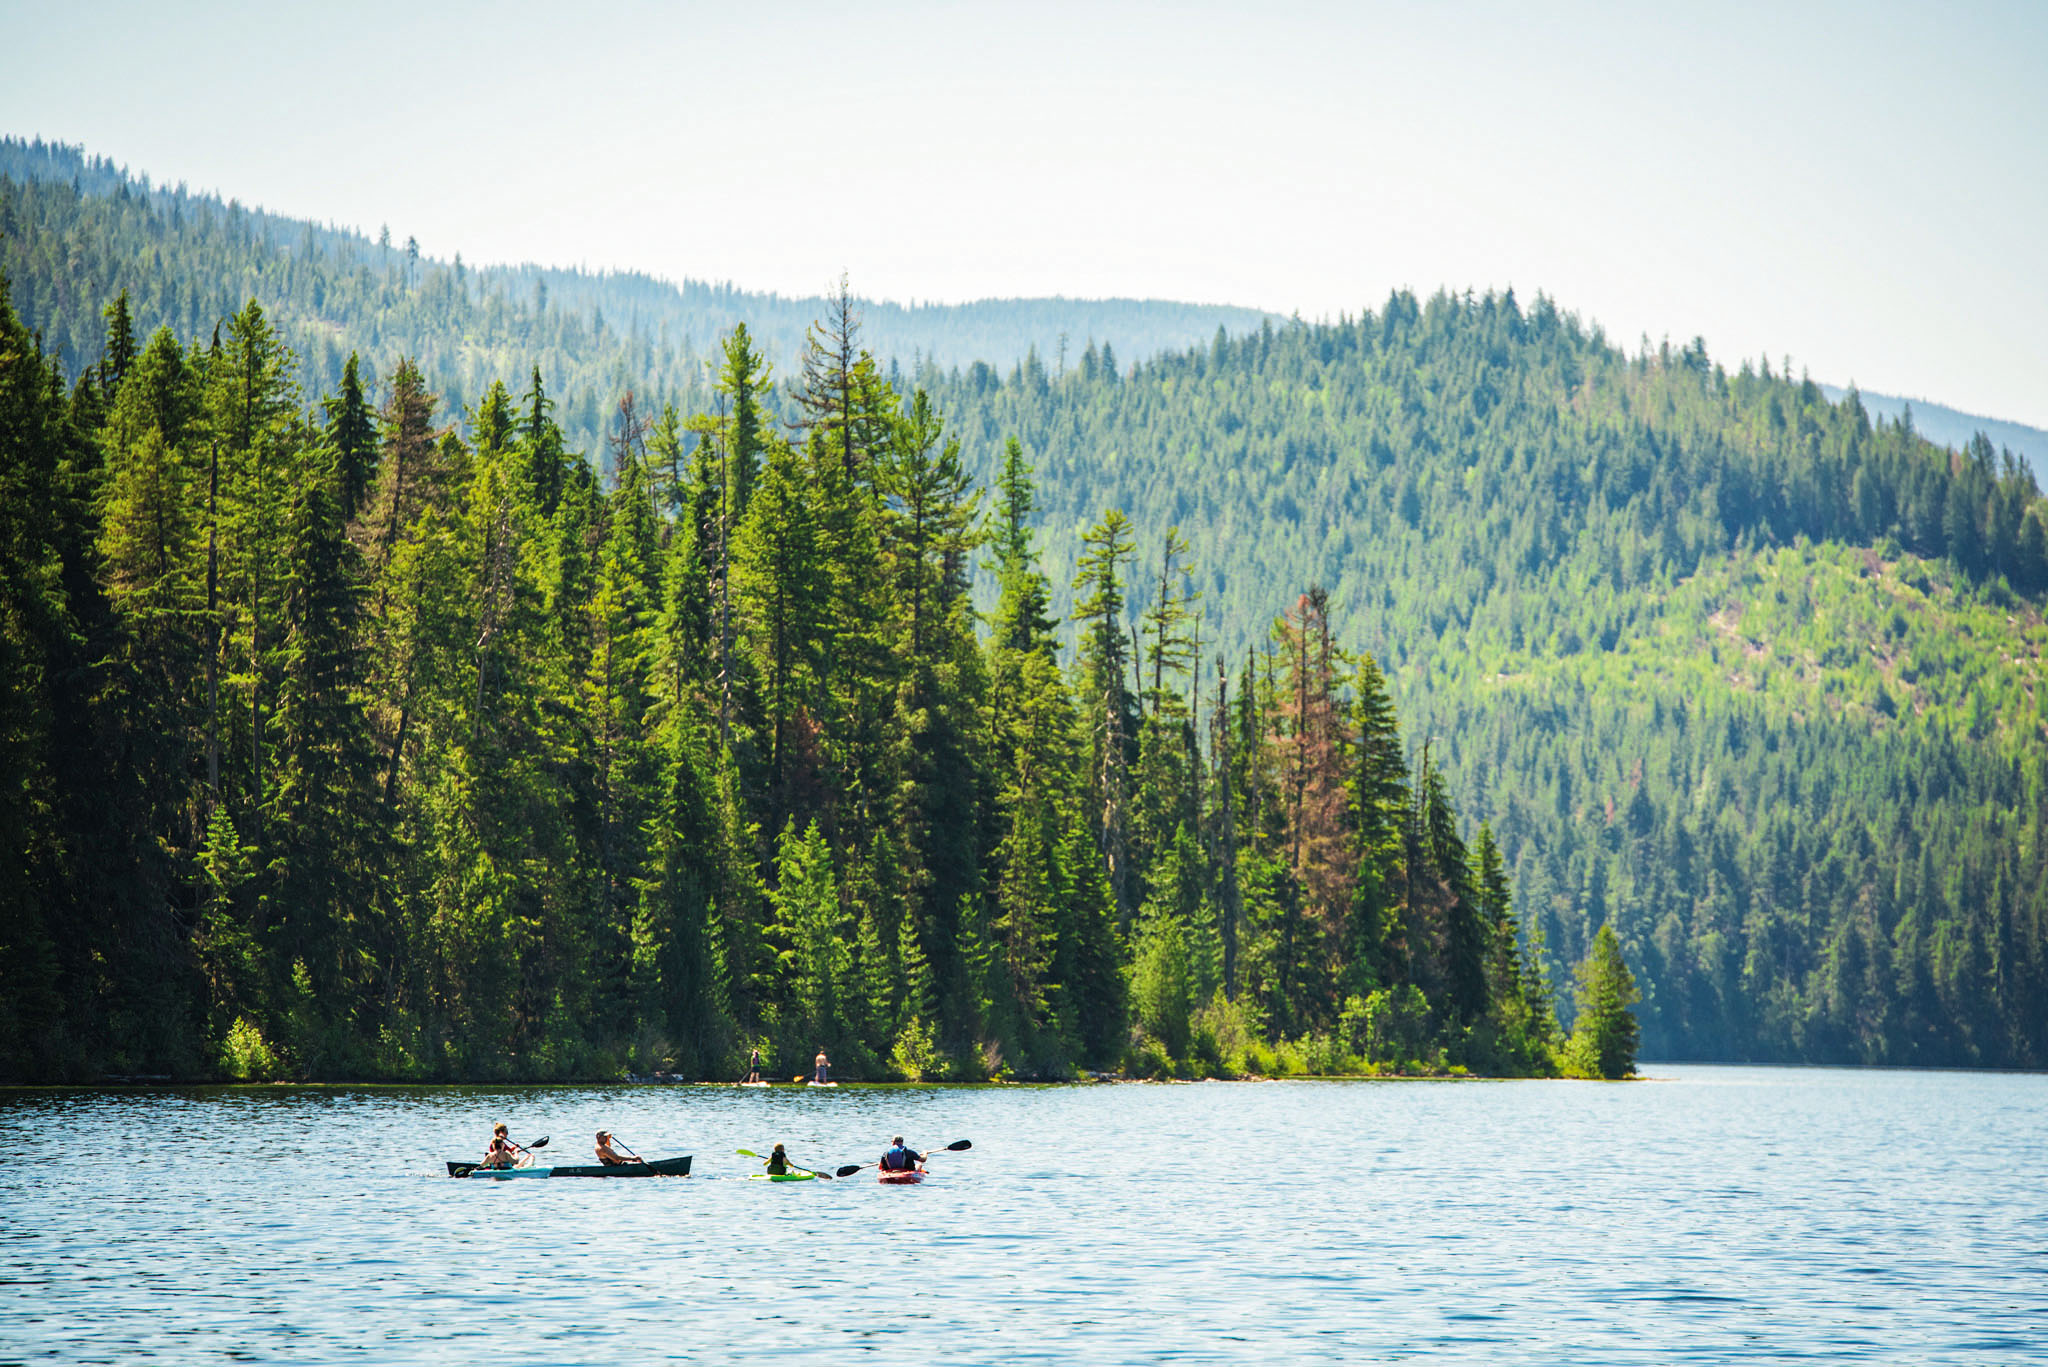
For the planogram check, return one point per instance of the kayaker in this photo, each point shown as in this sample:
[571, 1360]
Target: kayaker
[754, 1066]
[502, 1153]
[610, 1156]
[824, 1067]
[778, 1162]
[901, 1159]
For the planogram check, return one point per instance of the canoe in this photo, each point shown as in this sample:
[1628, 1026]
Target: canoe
[903, 1179]
[781, 1176]
[653, 1167]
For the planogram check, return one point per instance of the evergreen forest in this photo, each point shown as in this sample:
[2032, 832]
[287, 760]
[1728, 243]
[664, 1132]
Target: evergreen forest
[1305, 699]
[348, 740]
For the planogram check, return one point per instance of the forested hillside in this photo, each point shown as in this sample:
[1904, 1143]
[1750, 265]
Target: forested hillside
[1747, 674]
[75, 229]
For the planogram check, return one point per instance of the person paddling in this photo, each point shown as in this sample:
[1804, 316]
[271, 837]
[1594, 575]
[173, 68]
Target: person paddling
[754, 1067]
[778, 1162]
[902, 1159]
[611, 1157]
[502, 1153]
[824, 1067]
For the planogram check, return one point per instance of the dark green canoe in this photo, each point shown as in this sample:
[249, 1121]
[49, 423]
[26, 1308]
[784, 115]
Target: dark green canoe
[653, 1167]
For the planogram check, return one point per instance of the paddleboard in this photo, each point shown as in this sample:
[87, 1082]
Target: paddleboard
[821, 1084]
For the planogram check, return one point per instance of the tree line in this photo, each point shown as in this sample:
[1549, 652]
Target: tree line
[358, 738]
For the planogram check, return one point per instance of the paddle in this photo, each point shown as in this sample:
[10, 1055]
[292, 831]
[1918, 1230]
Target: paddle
[749, 1153]
[620, 1143]
[957, 1146]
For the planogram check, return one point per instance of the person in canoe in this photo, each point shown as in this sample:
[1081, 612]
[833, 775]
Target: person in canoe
[778, 1162]
[610, 1156]
[754, 1066]
[502, 1153]
[901, 1159]
[823, 1075]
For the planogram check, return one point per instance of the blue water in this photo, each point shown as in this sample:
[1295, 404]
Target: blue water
[1711, 1215]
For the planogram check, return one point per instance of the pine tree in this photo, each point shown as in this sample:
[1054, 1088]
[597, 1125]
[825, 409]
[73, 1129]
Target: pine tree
[1605, 1035]
[677, 950]
[1023, 619]
[1374, 954]
[929, 530]
[546, 456]
[352, 432]
[743, 379]
[616, 695]
[807, 910]
[781, 589]
[1108, 709]
[327, 848]
[119, 355]
[251, 410]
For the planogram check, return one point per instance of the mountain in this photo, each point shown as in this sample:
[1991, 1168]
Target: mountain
[75, 229]
[1750, 674]
[1954, 429]
[187, 256]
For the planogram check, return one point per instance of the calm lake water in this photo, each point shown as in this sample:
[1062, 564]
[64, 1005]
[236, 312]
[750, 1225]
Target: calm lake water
[1714, 1214]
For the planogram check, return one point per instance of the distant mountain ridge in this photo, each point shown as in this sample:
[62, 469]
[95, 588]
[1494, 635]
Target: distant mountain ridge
[332, 290]
[1953, 428]
[657, 329]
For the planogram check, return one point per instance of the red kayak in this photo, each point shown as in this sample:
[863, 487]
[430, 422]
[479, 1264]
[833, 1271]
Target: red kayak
[903, 1179]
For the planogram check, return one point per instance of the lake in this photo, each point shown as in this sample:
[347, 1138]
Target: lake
[1709, 1215]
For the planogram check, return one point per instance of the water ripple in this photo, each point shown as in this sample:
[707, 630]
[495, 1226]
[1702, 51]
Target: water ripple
[1721, 1215]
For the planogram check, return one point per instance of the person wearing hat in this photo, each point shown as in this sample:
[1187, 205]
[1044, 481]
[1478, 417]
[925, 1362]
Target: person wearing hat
[901, 1159]
[610, 1156]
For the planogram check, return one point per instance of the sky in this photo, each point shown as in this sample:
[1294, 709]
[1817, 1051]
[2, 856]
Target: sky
[1863, 188]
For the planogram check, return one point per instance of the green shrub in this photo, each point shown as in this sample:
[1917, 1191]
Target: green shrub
[246, 1056]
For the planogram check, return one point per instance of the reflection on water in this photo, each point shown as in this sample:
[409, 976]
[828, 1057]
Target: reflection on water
[1713, 1215]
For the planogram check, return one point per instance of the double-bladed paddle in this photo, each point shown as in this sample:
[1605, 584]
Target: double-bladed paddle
[957, 1146]
[793, 1167]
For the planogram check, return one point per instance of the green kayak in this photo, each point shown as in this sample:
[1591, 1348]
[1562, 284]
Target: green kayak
[782, 1177]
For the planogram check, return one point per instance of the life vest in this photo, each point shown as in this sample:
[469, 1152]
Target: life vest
[898, 1160]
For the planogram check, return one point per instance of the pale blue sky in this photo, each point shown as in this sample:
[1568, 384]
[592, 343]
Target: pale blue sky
[1864, 188]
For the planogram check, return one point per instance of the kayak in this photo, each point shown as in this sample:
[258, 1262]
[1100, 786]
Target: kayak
[782, 1176]
[903, 1179]
[654, 1167]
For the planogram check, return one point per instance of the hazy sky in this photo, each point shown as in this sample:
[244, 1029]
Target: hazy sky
[1864, 188]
